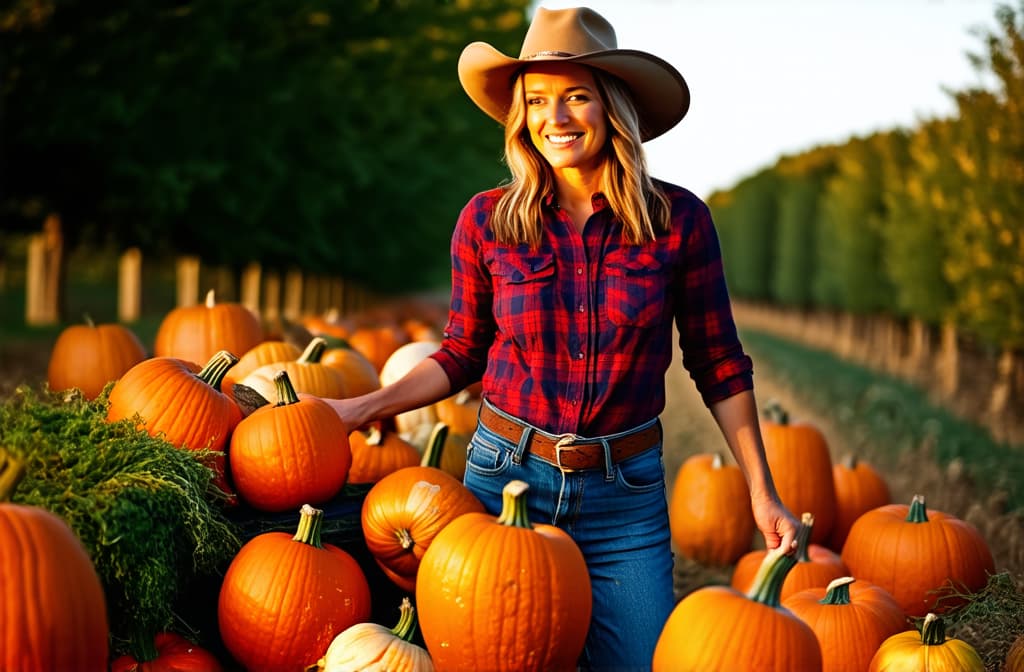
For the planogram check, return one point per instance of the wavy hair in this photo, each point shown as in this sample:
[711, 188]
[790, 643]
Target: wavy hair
[633, 196]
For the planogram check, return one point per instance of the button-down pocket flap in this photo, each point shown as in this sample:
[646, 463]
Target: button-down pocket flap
[643, 263]
[524, 269]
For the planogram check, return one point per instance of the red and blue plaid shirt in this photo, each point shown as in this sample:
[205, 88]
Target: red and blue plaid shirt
[576, 335]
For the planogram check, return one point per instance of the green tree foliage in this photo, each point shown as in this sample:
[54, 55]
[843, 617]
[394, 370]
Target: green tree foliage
[746, 218]
[802, 180]
[986, 260]
[849, 239]
[331, 135]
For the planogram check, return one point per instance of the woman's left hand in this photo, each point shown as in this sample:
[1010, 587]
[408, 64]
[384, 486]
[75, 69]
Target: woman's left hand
[776, 523]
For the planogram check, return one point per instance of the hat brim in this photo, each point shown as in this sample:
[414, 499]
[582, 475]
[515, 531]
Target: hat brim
[660, 93]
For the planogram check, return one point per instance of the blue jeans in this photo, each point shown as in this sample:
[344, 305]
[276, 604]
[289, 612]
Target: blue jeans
[618, 517]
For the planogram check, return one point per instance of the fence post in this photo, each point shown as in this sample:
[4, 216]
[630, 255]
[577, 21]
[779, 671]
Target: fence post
[293, 295]
[250, 294]
[188, 281]
[272, 298]
[129, 285]
[35, 281]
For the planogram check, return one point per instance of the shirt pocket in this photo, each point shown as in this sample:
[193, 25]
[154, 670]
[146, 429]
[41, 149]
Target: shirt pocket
[636, 289]
[524, 296]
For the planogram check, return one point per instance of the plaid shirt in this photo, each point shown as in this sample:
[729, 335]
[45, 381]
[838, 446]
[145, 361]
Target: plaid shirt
[576, 336]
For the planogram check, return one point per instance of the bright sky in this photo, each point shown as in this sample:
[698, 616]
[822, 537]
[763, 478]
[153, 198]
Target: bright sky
[775, 77]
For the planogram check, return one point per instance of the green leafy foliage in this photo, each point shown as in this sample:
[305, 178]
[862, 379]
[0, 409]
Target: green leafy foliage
[147, 512]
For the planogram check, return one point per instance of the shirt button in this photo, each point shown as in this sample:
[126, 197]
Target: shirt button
[579, 355]
[582, 308]
[579, 270]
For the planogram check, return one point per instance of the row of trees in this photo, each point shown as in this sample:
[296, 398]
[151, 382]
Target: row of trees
[925, 223]
[328, 135]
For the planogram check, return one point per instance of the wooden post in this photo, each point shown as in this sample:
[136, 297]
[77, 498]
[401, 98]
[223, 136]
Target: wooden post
[35, 281]
[272, 298]
[337, 295]
[188, 281]
[311, 296]
[224, 283]
[293, 295]
[129, 285]
[250, 296]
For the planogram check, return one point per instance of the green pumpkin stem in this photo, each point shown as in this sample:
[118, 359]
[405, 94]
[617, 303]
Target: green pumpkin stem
[774, 412]
[838, 592]
[314, 351]
[767, 585]
[213, 373]
[918, 513]
[933, 631]
[435, 446]
[286, 393]
[716, 460]
[513, 505]
[803, 537]
[406, 627]
[12, 470]
[311, 520]
[89, 322]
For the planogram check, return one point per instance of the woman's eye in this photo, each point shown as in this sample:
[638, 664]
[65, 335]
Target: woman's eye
[534, 101]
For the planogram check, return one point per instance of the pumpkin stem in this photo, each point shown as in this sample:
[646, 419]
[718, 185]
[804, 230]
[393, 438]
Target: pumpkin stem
[767, 585]
[838, 591]
[513, 505]
[933, 631]
[774, 412]
[405, 539]
[87, 318]
[213, 373]
[210, 302]
[406, 627]
[918, 513]
[314, 351]
[374, 435]
[285, 390]
[716, 460]
[803, 537]
[144, 646]
[850, 461]
[12, 470]
[435, 446]
[311, 520]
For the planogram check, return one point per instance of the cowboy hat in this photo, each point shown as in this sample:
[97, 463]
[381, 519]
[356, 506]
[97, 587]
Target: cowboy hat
[578, 35]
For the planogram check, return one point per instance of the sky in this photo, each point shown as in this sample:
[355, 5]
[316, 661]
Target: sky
[769, 78]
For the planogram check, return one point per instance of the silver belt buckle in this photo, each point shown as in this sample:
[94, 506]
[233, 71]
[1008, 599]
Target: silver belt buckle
[564, 441]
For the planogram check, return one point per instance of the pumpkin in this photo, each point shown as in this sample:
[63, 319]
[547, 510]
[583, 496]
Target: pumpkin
[369, 646]
[719, 629]
[859, 489]
[502, 593]
[851, 620]
[801, 465]
[290, 452]
[917, 555]
[709, 511]
[175, 398]
[173, 653]
[816, 565]
[459, 412]
[358, 372]
[404, 512]
[307, 374]
[376, 452]
[266, 352]
[377, 343]
[284, 598]
[54, 613]
[927, 651]
[417, 422]
[1014, 661]
[196, 333]
[88, 356]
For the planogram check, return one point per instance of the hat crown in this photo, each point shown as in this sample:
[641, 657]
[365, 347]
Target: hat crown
[567, 32]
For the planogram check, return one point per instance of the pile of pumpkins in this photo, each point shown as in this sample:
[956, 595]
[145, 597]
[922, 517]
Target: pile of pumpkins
[863, 563]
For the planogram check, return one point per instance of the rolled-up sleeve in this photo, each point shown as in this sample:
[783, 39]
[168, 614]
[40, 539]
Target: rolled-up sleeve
[470, 328]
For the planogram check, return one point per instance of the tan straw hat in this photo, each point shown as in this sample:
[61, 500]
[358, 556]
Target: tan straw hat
[578, 35]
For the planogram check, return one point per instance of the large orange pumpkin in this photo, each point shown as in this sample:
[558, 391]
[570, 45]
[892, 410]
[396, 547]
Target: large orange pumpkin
[174, 653]
[859, 489]
[306, 373]
[54, 613]
[405, 510]
[816, 565]
[377, 342]
[196, 333]
[360, 375]
[719, 629]
[290, 452]
[285, 598]
[851, 620]
[377, 452]
[929, 651]
[266, 352]
[502, 593]
[88, 356]
[709, 511]
[917, 555]
[1014, 661]
[801, 465]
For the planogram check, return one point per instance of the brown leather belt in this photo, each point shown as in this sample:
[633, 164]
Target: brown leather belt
[568, 452]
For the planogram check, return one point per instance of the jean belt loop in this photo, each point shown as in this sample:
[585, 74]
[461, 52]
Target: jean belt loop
[524, 441]
[609, 473]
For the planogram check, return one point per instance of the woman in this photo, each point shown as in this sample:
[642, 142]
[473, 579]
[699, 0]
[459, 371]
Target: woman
[565, 285]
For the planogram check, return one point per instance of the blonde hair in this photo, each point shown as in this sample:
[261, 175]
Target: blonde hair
[633, 196]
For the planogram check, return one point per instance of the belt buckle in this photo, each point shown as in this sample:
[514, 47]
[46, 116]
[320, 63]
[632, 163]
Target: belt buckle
[564, 441]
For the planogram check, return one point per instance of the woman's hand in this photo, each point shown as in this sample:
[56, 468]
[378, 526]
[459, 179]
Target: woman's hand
[776, 523]
[351, 411]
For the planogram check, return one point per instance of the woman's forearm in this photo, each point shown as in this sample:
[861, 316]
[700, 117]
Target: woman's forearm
[424, 384]
[737, 418]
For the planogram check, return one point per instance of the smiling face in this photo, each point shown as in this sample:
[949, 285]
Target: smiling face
[565, 116]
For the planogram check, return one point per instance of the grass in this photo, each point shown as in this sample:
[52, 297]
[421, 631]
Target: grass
[888, 413]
